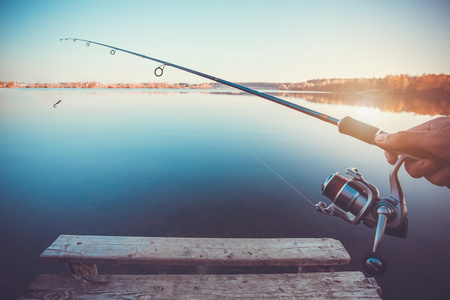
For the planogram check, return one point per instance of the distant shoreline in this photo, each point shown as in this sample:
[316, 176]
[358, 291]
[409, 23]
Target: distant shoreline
[397, 84]
[98, 85]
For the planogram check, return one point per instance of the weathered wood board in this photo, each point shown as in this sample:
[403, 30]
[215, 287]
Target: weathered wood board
[196, 251]
[342, 285]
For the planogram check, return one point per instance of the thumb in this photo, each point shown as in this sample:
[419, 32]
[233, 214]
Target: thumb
[402, 140]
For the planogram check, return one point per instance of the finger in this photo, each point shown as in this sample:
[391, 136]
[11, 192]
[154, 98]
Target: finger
[434, 124]
[391, 157]
[441, 177]
[420, 168]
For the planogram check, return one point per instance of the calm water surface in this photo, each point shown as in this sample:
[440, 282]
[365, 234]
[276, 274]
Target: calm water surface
[171, 163]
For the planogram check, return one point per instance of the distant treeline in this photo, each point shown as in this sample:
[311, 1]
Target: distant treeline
[252, 85]
[149, 85]
[391, 83]
[438, 84]
[98, 85]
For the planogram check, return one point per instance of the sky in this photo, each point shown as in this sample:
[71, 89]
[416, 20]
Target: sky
[239, 41]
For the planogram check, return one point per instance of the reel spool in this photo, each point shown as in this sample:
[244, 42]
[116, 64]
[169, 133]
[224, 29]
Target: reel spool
[356, 200]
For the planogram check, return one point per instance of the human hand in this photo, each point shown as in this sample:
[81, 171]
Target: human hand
[432, 136]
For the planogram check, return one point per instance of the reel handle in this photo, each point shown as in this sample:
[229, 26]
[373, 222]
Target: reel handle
[373, 263]
[383, 215]
[367, 133]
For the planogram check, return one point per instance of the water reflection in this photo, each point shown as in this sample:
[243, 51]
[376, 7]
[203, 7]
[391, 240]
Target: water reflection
[417, 103]
[413, 103]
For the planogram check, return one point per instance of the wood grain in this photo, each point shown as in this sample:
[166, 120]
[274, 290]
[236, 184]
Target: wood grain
[342, 285]
[196, 251]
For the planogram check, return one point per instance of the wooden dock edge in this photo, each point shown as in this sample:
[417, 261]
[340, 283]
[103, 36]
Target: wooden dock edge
[313, 257]
[196, 251]
[339, 285]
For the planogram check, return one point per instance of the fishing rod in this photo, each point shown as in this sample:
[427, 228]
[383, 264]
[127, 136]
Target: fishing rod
[354, 199]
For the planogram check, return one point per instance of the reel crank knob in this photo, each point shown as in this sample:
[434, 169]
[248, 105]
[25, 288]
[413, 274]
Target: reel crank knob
[374, 264]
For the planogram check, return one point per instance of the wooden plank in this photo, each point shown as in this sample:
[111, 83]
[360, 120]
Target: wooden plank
[342, 285]
[196, 251]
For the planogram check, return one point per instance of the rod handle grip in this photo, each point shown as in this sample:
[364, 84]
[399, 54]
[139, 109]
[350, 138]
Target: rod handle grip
[367, 133]
[358, 129]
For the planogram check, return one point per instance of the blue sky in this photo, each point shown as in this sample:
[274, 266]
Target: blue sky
[274, 41]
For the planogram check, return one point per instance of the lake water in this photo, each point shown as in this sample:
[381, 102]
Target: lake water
[185, 163]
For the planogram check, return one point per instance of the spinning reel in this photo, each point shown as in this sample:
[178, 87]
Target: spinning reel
[355, 200]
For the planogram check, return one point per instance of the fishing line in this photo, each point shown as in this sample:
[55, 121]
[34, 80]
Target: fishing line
[237, 141]
[276, 173]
